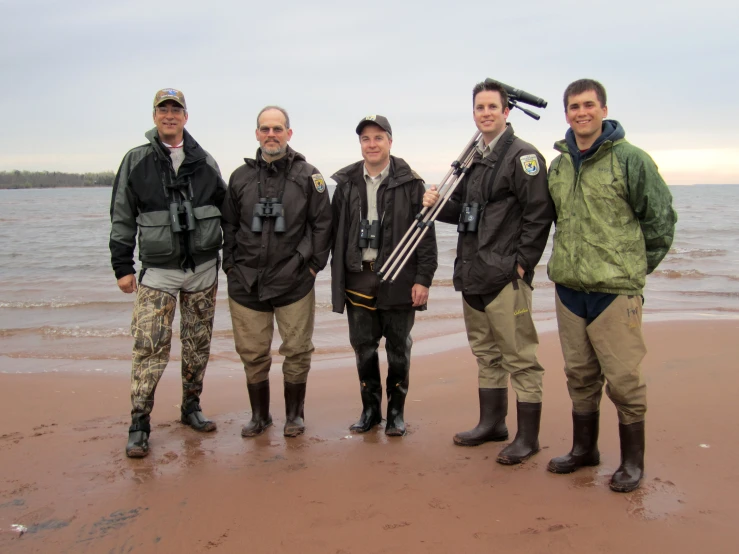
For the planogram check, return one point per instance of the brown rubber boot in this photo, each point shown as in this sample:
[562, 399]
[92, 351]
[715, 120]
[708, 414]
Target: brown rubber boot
[492, 427]
[584, 445]
[526, 443]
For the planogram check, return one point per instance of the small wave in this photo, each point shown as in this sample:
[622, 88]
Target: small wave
[699, 252]
[54, 304]
[86, 332]
[679, 274]
[720, 293]
[443, 282]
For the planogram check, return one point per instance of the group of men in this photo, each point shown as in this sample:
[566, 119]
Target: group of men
[277, 226]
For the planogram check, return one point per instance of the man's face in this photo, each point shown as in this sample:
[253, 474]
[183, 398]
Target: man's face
[272, 133]
[585, 115]
[489, 113]
[170, 119]
[375, 145]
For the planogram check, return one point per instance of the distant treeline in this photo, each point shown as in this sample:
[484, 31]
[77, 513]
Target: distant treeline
[49, 179]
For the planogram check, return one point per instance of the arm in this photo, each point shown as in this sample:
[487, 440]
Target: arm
[319, 222]
[651, 201]
[453, 207]
[537, 207]
[230, 222]
[123, 225]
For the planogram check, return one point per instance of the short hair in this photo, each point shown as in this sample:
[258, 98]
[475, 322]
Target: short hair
[491, 86]
[585, 85]
[279, 109]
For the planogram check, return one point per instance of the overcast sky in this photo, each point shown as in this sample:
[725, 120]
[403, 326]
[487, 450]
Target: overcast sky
[79, 76]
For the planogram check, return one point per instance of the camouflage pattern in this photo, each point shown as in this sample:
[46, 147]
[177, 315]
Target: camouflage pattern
[169, 94]
[151, 328]
[197, 310]
[615, 221]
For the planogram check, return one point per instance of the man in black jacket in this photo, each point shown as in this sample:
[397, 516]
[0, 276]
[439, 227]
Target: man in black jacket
[167, 192]
[277, 237]
[375, 202]
[497, 252]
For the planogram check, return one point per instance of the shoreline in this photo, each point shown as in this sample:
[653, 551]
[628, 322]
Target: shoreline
[68, 481]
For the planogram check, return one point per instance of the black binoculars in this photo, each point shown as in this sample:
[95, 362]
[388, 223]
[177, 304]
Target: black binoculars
[469, 218]
[268, 207]
[181, 216]
[369, 234]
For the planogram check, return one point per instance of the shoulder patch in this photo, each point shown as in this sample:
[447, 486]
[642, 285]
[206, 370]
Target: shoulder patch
[530, 164]
[319, 182]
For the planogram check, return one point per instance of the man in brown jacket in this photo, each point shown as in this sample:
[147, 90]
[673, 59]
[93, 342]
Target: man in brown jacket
[375, 202]
[507, 216]
[277, 237]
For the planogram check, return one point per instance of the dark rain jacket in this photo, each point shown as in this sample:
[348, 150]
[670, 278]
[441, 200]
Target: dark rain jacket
[266, 265]
[143, 190]
[515, 217]
[399, 199]
[615, 220]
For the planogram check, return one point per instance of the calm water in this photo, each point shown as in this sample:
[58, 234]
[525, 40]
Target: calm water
[59, 299]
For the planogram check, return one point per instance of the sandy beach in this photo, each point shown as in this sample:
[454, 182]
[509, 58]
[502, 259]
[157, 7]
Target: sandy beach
[65, 476]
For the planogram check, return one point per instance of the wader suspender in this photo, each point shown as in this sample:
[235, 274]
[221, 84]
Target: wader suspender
[496, 167]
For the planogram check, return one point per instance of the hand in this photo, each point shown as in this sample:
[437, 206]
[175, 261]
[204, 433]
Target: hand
[430, 197]
[311, 271]
[419, 294]
[127, 283]
[520, 271]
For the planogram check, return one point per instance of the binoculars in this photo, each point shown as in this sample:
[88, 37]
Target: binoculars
[181, 217]
[369, 234]
[469, 218]
[268, 207]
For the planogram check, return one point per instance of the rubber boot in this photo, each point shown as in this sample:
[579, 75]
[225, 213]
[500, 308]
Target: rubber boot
[294, 403]
[138, 437]
[629, 474]
[492, 427]
[193, 416]
[395, 410]
[584, 445]
[260, 416]
[371, 411]
[526, 443]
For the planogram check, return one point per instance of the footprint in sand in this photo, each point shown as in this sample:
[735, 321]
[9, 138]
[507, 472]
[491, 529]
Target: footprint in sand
[656, 499]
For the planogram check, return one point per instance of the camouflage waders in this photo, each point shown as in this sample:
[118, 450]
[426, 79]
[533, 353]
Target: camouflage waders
[151, 328]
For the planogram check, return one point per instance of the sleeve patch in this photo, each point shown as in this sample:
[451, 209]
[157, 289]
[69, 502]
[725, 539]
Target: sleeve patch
[319, 182]
[530, 164]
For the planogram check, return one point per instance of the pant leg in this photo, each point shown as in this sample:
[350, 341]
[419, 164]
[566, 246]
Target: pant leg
[585, 378]
[253, 332]
[365, 333]
[295, 323]
[396, 326]
[151, 327]
[515, 334]
[197, 310]
[490, 372]
[616, 336]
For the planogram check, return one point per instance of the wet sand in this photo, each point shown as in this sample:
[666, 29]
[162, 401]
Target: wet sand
[66, 478]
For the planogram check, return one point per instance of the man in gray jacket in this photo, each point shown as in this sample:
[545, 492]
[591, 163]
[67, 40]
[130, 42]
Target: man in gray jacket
[166, 197]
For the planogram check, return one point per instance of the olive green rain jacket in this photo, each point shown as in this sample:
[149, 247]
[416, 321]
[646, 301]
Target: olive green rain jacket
[615, 222]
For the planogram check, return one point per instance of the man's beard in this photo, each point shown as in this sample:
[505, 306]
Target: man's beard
[274, 149]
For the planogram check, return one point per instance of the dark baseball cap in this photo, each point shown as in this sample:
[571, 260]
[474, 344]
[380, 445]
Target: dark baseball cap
[379, 120]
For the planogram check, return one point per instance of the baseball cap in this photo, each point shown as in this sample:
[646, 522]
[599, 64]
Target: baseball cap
[379, 120]
[169, 94]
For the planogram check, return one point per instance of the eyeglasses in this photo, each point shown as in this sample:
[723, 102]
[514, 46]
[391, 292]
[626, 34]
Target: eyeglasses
[276, 130]
[174, 110]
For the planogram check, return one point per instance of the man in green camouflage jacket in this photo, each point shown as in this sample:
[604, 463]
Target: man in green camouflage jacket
[615, 223]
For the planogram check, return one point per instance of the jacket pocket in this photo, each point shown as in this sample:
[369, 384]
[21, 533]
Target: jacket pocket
[208, 235]
[156, 241]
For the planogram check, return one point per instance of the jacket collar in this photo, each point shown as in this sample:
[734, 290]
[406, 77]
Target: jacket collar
[400, 173]
[193, 151]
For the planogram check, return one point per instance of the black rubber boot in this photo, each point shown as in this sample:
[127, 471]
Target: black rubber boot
[584, 445]
[138, 437]
[371, 411]
[629, 474]
[294, 404]
[492, 427]
[526, 443]
[395, 409]
[193, 416]
[260, 416]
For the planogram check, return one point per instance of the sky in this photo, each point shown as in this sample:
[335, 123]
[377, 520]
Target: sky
[77, 78]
